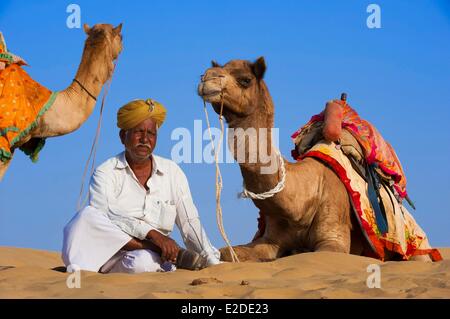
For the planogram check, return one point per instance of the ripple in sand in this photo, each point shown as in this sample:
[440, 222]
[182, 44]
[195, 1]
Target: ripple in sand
[202, 281]
[6, 267]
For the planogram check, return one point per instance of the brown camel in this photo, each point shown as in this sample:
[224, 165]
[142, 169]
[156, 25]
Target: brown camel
[313, 211]
[74, 105]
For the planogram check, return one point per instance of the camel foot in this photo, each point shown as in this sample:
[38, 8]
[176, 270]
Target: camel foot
[243, 253]
[260, 250]
[424, 258]
[333, 247]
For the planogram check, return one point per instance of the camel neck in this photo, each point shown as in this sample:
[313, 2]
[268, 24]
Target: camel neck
[250, 140]
[94, 68]
[73, 105]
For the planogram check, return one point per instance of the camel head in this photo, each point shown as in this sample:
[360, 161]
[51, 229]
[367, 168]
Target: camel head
[239, 85]
[106, 38]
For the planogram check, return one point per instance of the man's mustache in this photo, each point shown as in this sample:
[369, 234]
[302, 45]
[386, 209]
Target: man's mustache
[145, 145]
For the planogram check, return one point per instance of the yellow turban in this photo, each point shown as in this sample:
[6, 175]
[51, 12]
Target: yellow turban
[134, 112]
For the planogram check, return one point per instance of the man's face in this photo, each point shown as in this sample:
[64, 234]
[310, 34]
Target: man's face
[140, 141]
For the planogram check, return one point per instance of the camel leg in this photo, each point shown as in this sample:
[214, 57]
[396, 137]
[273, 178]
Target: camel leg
[262, 249]
[4, 167]
[424, 258]
[265, 248]
[358, 243]
[339, 243]
[331, 229]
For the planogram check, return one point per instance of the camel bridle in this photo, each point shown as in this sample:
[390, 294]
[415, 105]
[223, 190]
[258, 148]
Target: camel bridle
[246, 193]
[85, 89]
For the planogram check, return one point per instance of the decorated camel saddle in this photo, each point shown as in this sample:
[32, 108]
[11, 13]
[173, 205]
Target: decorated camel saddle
[22, 102]
[373, 176]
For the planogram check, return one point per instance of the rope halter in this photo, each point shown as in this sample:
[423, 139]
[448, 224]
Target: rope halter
[270, 193]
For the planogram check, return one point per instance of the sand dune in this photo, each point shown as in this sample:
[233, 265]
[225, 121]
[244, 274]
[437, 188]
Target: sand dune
[311, 275]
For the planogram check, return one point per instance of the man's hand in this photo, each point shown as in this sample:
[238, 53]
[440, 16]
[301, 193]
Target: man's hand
[169, 248]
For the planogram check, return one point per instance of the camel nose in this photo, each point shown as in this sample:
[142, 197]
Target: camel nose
[212, 73]
[212, 82]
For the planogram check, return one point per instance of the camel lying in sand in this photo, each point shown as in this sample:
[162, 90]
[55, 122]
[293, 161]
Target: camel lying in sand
[312, 212]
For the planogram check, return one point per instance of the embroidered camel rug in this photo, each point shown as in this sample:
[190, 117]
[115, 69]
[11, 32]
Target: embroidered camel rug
[22, 102]
[377, 150]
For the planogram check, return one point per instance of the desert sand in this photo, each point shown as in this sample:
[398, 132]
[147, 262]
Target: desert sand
[34, 274]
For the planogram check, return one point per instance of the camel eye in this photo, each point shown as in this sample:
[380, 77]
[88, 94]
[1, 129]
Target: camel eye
[245, 82]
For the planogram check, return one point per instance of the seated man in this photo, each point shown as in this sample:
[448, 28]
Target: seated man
[134, 200]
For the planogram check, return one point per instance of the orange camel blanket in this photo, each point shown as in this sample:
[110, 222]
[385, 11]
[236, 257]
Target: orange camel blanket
[22, 102]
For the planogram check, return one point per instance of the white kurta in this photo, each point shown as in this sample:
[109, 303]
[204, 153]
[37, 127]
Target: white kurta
[116, 194]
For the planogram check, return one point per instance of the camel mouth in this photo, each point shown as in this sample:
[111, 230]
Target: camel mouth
[211, 97]
[212, 92]
[209, 93]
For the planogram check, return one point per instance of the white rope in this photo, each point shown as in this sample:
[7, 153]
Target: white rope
[278, 188]
[219, 216]
[83, 201]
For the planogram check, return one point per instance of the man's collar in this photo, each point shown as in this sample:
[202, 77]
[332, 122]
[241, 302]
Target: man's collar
[157, 166]
[122, 163]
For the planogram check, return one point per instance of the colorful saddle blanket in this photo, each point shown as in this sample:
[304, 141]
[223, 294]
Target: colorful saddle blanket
[376, 149]
[404, 236]
[22, 102]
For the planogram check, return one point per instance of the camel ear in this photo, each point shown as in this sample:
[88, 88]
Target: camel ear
[117, 29]
[214, 64]
[259, 68]
[86, 28]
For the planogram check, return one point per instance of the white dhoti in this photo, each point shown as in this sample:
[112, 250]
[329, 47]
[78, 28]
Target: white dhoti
[136, 261]
[91, 241]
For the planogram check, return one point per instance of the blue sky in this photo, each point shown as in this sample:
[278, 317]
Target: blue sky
[397, 77]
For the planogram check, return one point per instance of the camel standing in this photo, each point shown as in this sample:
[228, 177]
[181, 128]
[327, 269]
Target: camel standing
[75, 104]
